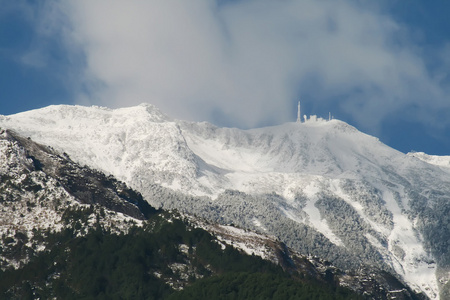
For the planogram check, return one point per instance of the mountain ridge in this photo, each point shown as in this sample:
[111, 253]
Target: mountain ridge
[319, 172]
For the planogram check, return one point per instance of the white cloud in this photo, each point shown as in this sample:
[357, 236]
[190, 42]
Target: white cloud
[248, 61]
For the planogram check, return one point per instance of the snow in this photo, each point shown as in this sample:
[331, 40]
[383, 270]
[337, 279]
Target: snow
[257, 223]
[125, 142]
[141, 145]
[249, 242]
[315, 218]
[441, 161]
[25, 210]
[415, 266]
[335, 187]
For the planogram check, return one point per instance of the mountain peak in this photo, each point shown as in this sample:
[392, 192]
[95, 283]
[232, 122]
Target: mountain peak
[154, 114]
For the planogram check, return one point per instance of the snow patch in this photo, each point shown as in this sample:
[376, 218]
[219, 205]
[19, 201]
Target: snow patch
[315, 219]
[415, 265]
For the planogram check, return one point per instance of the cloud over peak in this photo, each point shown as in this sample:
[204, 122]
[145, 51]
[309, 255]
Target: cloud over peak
[244, 63]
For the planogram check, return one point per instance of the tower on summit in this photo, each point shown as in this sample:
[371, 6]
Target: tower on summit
[299, 116]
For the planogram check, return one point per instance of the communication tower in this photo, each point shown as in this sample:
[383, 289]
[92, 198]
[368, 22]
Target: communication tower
[299, 118]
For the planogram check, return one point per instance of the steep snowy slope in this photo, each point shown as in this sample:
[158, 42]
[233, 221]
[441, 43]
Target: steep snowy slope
[319, 160]
[126, 143]
[323, 187]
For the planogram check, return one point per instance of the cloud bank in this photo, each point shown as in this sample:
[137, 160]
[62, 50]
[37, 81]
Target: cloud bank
[246, 63]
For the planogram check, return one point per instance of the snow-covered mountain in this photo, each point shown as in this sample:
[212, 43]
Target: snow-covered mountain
[52, 209]
[322, 187]
[441, 161]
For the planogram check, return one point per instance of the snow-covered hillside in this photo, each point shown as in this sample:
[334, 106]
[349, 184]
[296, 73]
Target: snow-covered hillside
[47, 201]
[342, 192]
[442, 161]
[39, 192]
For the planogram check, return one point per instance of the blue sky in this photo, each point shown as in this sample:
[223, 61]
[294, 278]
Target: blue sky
[382, 66]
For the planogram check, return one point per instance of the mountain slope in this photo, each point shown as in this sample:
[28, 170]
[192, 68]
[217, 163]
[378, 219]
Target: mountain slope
[69, 232]
[322, 187]
[441, 161]
[42, 191]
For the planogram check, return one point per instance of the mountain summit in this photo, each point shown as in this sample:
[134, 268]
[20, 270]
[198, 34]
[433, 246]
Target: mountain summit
[322, 187]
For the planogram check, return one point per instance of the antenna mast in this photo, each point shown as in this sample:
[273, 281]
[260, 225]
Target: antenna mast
[299, 119]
